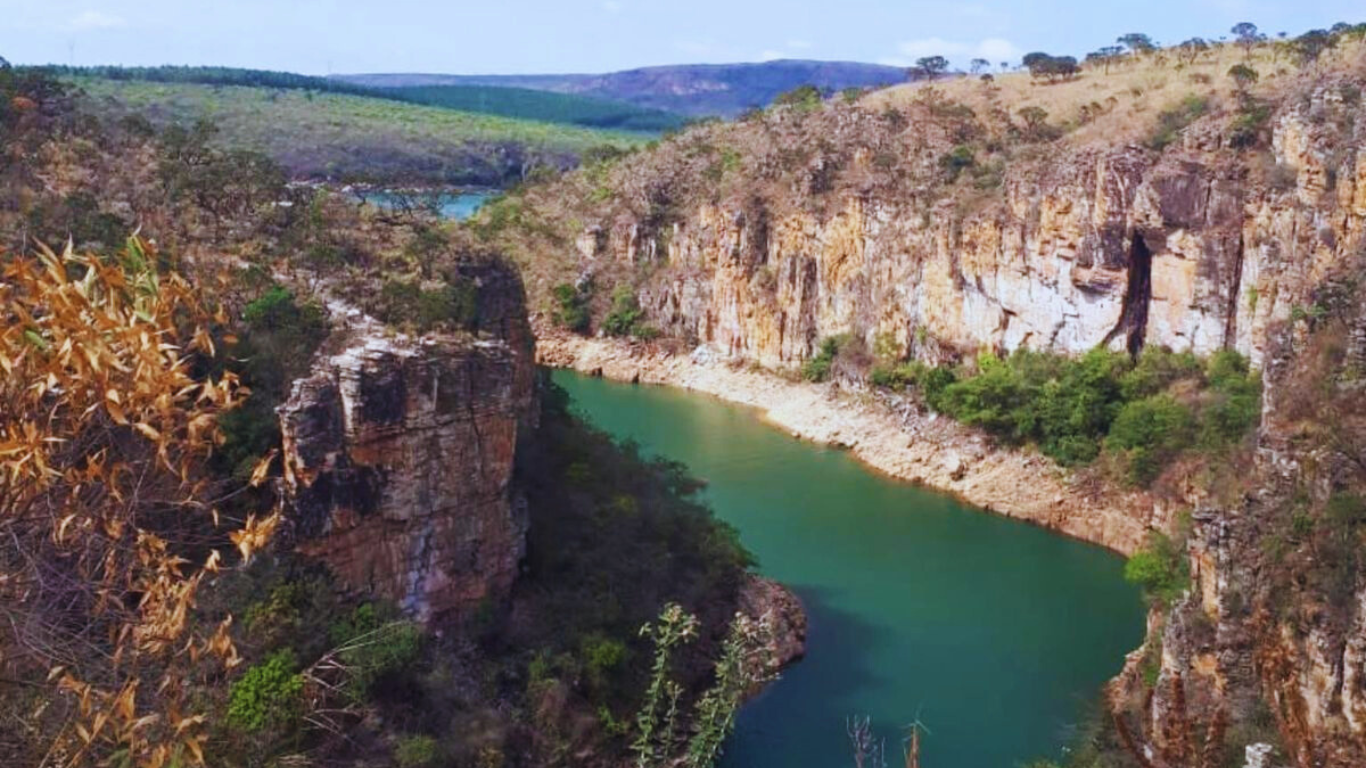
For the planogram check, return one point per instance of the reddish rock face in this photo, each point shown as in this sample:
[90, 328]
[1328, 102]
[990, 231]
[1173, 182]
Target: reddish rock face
[398, 461]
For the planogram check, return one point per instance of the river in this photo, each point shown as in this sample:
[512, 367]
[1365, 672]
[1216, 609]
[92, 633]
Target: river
[997, 633]
[455, 204]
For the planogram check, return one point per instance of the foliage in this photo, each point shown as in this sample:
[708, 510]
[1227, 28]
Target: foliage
[1137, 42]
[1171, 122]
[803, 98]
[543, 106]
[417, 752]
[348, 137]
[820, 365]
[929, 67]
[657, 720]
[1052, 68]
[268, 696]
[452, 305]
[1036, 127]
[613, 536]
[373, 647]
[958, 160]
[1243, 75]
[104, 488]
[570, 310]
[1147, 433]
[1161, 568]
[745, 661]
[277, 340]
[626, 318]
[1074, 408]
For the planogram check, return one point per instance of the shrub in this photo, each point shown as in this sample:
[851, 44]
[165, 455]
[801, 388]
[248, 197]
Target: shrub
[957, 161]
[416, 752]
[373, 648]
[626, 318]
[818, 368]
[570, 310]
[1171, 122]
[268, 696]
[1148, 433]
[454, 305]
[1234, 406]
[803, 98]
[1161, 568]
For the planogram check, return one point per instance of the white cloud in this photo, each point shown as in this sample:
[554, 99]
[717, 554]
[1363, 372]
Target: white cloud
[797, 44]
[772, 55]
[612, 6]
[993, 49]
[97, 20]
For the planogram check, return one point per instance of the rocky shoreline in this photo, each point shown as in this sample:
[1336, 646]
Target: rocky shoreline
[887, 433]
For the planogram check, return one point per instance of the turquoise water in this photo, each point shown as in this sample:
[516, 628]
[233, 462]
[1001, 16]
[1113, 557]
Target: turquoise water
[999, 634]
[449, 205]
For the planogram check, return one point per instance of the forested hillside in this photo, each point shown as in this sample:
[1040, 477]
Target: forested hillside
[345, 137]
[519, 103]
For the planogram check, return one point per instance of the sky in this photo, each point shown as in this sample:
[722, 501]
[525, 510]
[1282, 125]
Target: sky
[529, 36]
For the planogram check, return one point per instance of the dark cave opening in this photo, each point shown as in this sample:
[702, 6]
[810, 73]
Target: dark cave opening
[1138, 294]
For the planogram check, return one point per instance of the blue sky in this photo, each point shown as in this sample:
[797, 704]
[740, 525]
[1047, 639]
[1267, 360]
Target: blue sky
[522, 36]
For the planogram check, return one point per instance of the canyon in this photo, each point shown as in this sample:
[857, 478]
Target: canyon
[1197, 245]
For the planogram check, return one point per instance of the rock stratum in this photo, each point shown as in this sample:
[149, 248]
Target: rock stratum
[399, 454]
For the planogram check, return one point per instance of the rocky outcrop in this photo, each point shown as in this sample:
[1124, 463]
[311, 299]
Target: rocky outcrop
[1192, 248]
[762, 598]
[398, 458]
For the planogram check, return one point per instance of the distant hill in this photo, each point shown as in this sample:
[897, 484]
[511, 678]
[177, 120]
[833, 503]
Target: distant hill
[528, 104]
[690, 89]
[350, 137]
[519, 103]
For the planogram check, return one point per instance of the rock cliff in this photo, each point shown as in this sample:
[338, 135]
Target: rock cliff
[1108, 246]
[399, 455]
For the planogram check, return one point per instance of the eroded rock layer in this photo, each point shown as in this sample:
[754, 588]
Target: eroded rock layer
[399, 456]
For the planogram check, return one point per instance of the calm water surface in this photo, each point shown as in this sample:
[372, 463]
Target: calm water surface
[449, 205]
[999, 634]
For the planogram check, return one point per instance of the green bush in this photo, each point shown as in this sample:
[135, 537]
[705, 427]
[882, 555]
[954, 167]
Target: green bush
[1171, 122]
[803, 98]
[1234, 406]
[957, 161]
[1161, 568]
[570, 310]
[416, 752]
[818, 368]
[274, 347]
[1148, 433]
[268, 696]
[626, 318]
[453, 306]
[1072, 408]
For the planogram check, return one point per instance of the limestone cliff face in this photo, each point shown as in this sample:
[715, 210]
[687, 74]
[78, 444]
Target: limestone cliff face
[399, 456]
[1118, 246]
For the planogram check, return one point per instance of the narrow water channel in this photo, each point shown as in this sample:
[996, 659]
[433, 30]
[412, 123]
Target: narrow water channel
[998, 634]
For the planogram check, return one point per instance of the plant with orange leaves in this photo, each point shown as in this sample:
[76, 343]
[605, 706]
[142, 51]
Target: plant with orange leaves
[107, 521]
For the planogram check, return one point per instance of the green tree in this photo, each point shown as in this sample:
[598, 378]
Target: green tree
[1246, 35]
[1137, 42]
[929, 67]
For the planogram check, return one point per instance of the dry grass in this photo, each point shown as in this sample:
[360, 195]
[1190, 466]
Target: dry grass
[1129, 98]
